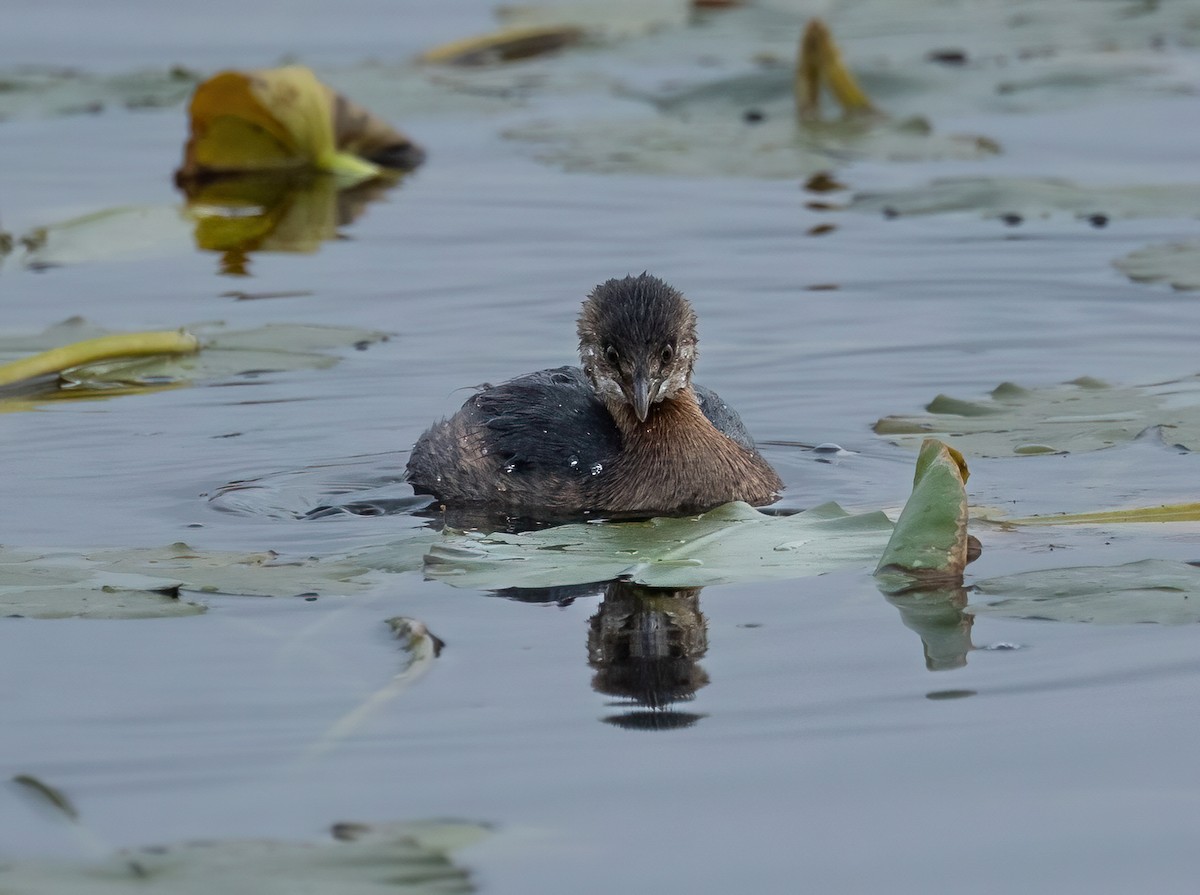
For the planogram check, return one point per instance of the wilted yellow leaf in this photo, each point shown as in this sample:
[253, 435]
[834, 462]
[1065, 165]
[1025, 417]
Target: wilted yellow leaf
[285, 120]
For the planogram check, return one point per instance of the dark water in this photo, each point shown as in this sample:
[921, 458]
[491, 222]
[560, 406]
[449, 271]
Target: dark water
[818, 751]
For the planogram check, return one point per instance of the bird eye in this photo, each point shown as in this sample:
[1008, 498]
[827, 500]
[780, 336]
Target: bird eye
[668, 352]
[612, 355]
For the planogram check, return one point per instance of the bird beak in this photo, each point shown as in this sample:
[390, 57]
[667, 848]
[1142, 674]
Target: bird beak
[641, 395]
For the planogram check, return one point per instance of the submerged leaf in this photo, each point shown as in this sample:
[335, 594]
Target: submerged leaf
[284, 120]
[1151, 591]
[358, 859]
[1082, 415]
[732, 543]
[420, 648]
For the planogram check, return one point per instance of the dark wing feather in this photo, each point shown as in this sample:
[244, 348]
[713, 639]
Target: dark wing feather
[533, 440]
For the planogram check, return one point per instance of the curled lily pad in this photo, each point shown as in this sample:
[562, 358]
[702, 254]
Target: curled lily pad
[1151, 591]
[358, 859]
[284, 120]
[1082, 415]
[148, 582]
[929, 543]
[1176, 263]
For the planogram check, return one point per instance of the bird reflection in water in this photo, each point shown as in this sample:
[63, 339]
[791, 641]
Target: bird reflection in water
[644, 644]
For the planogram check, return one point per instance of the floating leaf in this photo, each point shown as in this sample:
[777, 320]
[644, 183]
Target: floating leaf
[127, 232]
[1081, 415]
[508, 45]
[37, 91]
[1030, 197]
[359, 859]
[1151, 591]
[748, 126]
[1168, 512]
[599, 19]
[146, 582]
[103, 348]
[284, 120]
[929, 543]
[223, 354]
[1174, 263]
[734, 542]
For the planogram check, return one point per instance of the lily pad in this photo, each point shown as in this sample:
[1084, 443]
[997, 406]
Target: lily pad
[929, 543]
[734, 542]
[358, 859]
[223, 355]
[1151, 591]
[1175, 263]
[1167, 512]
[232, 215]
[1082, 415]
[36, 92]
[994, 197]
[148, 582]
[123, 233]
[285, 120]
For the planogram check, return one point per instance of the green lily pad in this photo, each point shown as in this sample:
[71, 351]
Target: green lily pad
[1167, 512]
[1032, 197]
[731, 543]
[1175, 263]
[128, 233]
[357, 860]
[1151, 591]
[1081, 415]
[715, 142]
[929, 543]
[147, 582]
